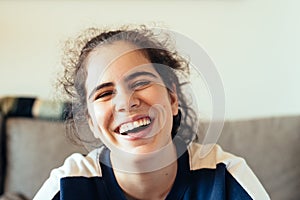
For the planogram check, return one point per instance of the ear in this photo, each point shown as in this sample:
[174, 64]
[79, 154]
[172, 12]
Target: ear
[173, 99]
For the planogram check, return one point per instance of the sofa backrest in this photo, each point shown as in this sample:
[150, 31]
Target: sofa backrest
[2, 155]
[271, 148]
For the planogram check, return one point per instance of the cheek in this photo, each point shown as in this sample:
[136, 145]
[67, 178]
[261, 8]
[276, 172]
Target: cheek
[102, 114]
[156, 95]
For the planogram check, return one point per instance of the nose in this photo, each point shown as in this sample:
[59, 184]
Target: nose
[125, 100]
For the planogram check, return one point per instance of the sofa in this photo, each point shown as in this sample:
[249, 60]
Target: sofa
[32, 144]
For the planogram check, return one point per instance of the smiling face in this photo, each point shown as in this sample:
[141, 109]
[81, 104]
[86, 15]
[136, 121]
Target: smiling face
[129, 106]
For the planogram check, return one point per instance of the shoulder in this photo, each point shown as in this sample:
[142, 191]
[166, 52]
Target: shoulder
[80, 165]
[208, 156]
[212, 156]
[74, 165]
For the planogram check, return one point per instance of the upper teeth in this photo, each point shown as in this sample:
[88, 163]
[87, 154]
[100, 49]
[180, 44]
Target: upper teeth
[131, 125]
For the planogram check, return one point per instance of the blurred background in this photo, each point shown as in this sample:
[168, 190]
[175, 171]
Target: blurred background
[254, 44]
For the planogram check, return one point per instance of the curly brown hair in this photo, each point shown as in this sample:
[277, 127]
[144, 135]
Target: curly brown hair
[157, 47]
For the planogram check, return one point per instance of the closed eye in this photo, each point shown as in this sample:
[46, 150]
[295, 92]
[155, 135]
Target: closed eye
[103, 96]
[140, 84]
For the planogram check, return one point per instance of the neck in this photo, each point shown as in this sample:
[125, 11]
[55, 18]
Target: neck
[148, 184]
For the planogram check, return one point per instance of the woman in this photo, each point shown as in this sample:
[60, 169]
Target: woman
[125, 85]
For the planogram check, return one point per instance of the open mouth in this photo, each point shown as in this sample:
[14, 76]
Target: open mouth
[134, 127]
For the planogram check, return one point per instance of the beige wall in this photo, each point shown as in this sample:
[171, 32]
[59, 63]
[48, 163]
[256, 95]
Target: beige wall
[254, 43]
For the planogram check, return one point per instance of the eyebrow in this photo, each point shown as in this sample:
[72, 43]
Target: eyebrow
[137, 74]
[127, 79]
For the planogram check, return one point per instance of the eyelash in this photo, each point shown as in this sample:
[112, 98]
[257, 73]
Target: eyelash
[140, 84]
[104, 94]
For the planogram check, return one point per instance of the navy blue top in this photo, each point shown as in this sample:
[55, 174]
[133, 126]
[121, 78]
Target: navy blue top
[202, 183]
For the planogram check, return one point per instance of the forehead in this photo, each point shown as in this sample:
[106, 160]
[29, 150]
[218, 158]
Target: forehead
[111, 63]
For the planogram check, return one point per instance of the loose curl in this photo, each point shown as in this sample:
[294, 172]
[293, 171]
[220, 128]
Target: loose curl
[154, 46]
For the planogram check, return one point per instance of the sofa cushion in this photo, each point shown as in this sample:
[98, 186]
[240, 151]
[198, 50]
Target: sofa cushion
[13, 196]
[34, 147]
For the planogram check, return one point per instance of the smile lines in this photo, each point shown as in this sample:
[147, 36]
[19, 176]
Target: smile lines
[134, 126]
